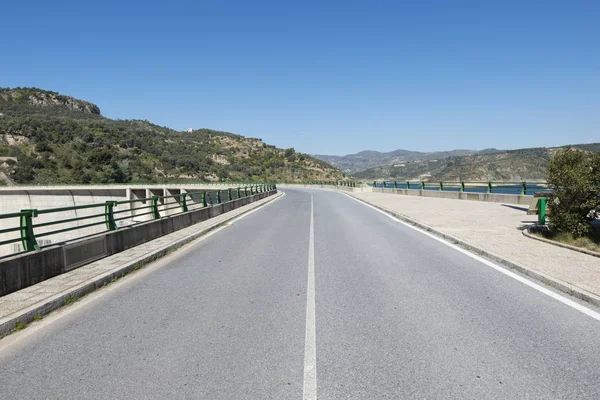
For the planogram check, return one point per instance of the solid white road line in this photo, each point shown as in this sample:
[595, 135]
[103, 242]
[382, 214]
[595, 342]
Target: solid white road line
[310, 346]
[490, 264]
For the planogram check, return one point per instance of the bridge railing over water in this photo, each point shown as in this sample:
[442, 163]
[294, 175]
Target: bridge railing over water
[34, 228]
[522, 188]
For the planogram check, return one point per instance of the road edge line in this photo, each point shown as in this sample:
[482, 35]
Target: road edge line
[502, 263]
[57, 301]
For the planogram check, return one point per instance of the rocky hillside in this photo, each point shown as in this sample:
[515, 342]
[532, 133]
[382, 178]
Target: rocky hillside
[352, 163]
[59, 139]
[512, 165]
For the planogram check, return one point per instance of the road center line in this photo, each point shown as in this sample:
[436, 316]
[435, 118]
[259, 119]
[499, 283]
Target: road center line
[546, 291]
[310, 345]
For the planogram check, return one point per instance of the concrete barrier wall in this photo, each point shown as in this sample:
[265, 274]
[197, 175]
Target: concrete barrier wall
[23, 270]
[490, 197]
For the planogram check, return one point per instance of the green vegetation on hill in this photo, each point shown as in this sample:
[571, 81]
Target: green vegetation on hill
[510, 165]
[59, 139]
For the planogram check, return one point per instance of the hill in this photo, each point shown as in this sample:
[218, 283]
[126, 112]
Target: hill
[511, 165]
[352, 163]
[60, 139]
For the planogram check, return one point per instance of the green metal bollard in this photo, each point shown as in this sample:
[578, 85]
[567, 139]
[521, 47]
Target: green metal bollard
[155, 213]
[489, 189]
[374, 184]
[204, 203]
[229, 194]
[219, 196]
[407, 184]
[239, 195]
[523, 188]
[27, 236]
[246, 191]
[109, 217]
[441, 186]
[462, 187]
[541, 206]
[422, 185]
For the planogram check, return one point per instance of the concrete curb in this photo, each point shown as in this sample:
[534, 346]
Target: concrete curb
[564, 287]
[44, 307]
[566, 246]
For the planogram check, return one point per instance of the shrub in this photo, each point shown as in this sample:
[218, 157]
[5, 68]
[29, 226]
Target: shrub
[574, 177]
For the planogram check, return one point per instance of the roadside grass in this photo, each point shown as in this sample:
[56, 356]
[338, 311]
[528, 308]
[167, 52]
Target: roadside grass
[588, 242]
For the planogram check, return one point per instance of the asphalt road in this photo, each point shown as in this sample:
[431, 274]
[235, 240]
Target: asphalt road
[392, 314]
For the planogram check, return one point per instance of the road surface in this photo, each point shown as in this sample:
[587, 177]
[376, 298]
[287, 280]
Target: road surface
[317, 296]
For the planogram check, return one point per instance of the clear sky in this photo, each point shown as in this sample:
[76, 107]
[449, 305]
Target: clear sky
[324, 77]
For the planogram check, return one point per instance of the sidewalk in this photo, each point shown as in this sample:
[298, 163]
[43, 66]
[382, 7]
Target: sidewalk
[25, 305]
[497, 230]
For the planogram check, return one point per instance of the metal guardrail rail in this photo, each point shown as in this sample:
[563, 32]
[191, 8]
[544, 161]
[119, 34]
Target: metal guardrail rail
[109, 214]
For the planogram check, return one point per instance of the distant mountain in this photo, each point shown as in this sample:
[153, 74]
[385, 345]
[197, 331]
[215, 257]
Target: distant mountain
[509, 165]
[49, 138]
[353, 163]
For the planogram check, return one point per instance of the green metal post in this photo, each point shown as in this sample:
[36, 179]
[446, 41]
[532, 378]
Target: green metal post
[204, 203]
[155, 213]
[523, 188]
[422, 185]
[109, 217]
[383, 184]
[489, 189]
[27, 235]
[219, 196]
[229, 194]
[541, 206]
[441, 186]
[183, 202]
[395, 185]
[407, 184]
[374, 184]
[239, 195]
[246, 191]
[462, 187]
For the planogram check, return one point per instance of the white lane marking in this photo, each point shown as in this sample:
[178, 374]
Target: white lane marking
[498, 268]
[231, 222]
[18, 337]
[310, 341]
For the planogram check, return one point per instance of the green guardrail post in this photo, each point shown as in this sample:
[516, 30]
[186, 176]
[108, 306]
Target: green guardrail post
[422, 185]
[155, 213]
[183, 201]
[489, 189]
[462, 187]
[407, 184]
[395, 185]
[246, 191]
[541, 206]
[374, 184]
[229, 194]
[109, 217]
[523, 188]
[204, 203]
[27, 235]
[219, 196]
[441, 186]
[239, 192]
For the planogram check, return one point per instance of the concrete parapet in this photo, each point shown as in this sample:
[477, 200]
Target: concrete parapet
[490, 197]
[23, 270]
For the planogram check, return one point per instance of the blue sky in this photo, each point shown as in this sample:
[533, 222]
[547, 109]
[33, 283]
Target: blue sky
[323, 77]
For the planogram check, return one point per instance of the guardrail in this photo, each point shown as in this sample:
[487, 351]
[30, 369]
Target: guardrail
[522, 188]
[29, 232]
[328, 183]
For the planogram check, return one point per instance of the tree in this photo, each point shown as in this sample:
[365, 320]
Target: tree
[574, 177]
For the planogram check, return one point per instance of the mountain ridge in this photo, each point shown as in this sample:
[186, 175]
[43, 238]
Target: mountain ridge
[58, 139]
